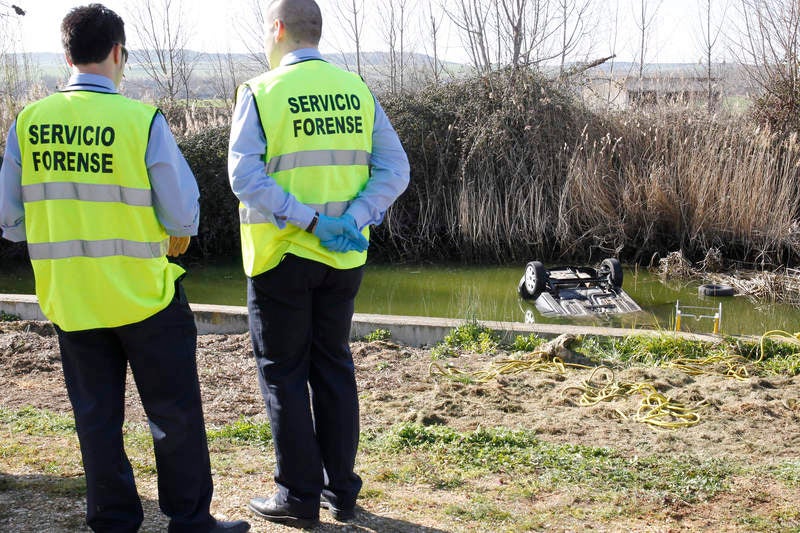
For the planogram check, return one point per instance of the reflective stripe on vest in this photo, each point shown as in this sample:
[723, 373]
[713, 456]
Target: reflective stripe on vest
[331, 209]
[318, 121]
[317, 158]
[105, 248]
[90, 192]
[96, 245]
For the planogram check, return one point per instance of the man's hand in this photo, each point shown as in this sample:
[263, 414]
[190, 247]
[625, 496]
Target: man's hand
[177, 245]
[342, 245]
[340, 234]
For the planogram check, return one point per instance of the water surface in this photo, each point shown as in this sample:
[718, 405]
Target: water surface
[489, 293]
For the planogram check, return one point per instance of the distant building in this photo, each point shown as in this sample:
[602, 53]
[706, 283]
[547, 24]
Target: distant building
[622, 87]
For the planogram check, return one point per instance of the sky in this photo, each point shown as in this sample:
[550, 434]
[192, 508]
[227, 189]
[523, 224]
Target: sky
[674, 37]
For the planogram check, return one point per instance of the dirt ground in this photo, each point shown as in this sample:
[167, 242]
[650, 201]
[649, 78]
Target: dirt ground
[756, 420]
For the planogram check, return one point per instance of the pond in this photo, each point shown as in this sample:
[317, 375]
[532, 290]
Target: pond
[490, 293]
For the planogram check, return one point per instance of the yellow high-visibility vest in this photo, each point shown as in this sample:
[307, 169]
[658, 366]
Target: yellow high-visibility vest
[95, 243]
[318, 121]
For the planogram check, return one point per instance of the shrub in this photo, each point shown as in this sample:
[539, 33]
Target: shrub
[207, 155]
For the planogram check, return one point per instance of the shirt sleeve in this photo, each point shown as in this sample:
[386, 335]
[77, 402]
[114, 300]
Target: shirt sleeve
[247, 173]
[12, 211]
[175, 192]
[389, 176]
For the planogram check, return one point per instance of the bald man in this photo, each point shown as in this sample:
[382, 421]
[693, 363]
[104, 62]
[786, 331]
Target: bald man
[314, 162]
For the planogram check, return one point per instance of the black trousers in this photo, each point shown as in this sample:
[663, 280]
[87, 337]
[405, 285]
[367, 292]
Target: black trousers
[161, 352]
[300, 316]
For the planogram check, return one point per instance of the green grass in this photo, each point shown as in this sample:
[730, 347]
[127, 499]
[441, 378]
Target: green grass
[452, 458]
[9, 317]
[243, 431]
[547, 466]
[39, 422]
[378, 335]
[528, 343]
[53, 487]
[788, 472]
[641, 349]
[470, 337]
[779, 358]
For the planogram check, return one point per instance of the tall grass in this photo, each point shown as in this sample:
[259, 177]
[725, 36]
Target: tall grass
[509, 168]
[684, 181]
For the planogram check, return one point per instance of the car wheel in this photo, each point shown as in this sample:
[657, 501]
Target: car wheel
[535, 279]
[614, 271]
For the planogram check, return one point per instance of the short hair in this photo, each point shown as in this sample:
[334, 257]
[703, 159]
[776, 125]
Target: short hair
[303, 19]
[88, 33]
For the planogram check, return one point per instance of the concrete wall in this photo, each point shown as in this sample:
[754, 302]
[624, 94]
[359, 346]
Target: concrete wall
[408, 330]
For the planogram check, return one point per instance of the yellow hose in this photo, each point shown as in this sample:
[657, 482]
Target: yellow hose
[794, 338]
[655, 408]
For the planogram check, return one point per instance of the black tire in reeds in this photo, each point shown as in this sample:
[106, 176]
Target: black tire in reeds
[713, 289]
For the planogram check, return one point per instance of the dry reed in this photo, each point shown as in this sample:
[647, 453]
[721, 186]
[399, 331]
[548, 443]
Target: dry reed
[507, 169]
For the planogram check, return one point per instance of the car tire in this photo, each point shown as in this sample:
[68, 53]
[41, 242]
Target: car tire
[614, 268]
[535, 279]
[521, 290]
[715, 289]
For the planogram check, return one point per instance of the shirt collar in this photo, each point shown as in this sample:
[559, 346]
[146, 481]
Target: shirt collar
[301, 54]
[97, 82]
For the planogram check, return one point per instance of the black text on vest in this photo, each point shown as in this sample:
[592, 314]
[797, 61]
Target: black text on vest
[332, 124]
[72, 160]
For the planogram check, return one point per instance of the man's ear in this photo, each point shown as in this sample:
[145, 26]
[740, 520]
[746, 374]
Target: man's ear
[69, 61]
[280, 29]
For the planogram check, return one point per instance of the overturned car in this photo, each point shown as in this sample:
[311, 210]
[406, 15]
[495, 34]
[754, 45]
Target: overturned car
[576, 291]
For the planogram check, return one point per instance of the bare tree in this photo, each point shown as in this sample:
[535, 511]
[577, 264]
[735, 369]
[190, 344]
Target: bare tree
[163, 35]
[435, 28]
[395, 18]
[388, 14]
[575, 26]
[351, 17]
[644, 15]
[251, 25]
[517, 33]
[614, 89]
[226, 77]
[712, 20]
[470, 18]
[770, 51]
[15, 67]
[512, 18]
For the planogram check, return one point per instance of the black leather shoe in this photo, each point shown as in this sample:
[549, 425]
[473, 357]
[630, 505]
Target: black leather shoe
[270, 509]
[237, 526]
[342, 515]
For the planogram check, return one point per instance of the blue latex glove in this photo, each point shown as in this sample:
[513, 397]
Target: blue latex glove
[340, 234]
[343, 245]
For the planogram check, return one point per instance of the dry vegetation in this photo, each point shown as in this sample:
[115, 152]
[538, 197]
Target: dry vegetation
[509, 167]
[777, 285]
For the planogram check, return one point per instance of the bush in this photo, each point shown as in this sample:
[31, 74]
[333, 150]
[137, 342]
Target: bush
[207, 155]
[488, 160]
[779, 107]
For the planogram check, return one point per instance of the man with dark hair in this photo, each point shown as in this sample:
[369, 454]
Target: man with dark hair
[97, 186]
[314, 161]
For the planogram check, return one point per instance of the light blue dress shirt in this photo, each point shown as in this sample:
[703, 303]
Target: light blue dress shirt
[175, 192]
[389, 176]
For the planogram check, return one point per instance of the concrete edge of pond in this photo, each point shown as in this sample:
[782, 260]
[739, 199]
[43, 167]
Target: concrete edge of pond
[409, 330]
